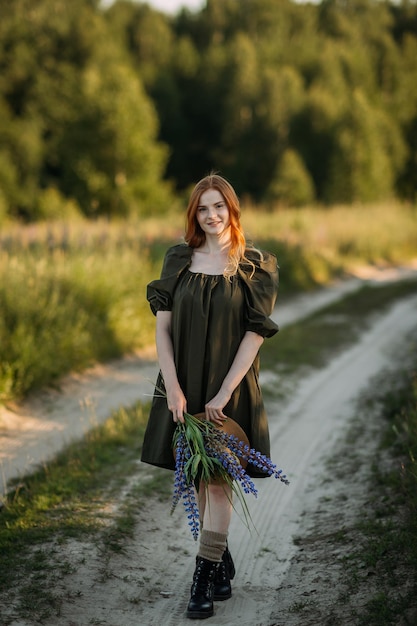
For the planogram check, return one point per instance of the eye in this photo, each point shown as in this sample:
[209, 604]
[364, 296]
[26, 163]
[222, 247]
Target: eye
[201, 209]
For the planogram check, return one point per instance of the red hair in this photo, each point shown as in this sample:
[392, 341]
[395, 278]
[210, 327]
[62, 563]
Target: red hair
[195, 236]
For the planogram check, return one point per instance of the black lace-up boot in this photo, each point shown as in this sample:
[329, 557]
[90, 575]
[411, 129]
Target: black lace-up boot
[200, 605]
[224, 574]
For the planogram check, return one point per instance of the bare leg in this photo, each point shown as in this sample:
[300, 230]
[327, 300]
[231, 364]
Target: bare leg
[215, 507]
[201, 499]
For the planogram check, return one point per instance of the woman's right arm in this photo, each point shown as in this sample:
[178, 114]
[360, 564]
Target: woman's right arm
[176, 400]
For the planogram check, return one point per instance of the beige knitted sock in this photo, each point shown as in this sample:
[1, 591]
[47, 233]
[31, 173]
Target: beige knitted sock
[212, 545]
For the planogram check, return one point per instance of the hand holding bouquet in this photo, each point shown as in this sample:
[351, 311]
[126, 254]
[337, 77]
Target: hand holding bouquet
[207, 453]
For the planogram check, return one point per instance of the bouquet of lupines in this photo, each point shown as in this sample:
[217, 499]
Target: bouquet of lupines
[205, 452]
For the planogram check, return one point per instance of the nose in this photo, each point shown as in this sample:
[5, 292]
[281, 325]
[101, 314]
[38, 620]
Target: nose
[212, 211]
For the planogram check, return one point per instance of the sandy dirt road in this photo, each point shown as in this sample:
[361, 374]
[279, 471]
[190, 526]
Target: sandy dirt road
[148, 584]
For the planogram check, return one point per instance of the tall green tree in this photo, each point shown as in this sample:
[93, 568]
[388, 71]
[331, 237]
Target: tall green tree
[367, 154]
[90, 129]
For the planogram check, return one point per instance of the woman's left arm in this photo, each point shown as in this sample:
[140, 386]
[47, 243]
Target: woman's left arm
[245, 356]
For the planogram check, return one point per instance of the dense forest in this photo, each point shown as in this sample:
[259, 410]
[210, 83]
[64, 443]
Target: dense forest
[114, 111]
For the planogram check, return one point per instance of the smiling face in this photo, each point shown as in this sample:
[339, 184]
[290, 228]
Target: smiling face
[213, 213]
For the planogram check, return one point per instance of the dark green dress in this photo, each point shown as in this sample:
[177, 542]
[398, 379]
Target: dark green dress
[210, 316]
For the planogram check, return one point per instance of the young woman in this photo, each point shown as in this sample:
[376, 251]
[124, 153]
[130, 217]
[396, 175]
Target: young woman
[212, 306]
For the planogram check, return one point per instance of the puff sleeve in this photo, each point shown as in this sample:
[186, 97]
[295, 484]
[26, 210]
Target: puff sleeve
[261, 288]
[160, 292]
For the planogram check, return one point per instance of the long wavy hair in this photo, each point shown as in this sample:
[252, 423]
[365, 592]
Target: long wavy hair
[195, 236]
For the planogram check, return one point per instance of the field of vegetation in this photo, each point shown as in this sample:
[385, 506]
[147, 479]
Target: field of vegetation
[72, 294]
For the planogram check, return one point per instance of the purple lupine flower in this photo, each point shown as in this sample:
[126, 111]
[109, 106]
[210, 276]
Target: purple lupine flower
[204, 451]
[254, 457]
[179, 477]
[232, 465]
[191, 508]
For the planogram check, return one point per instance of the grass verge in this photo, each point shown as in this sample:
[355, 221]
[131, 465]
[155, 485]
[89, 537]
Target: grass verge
[74, 497]
[388, 530]
[310, 343]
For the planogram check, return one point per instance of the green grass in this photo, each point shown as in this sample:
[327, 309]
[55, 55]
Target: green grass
[86, 494]
[69, 302]
[69, 497]
[72, 294]
[313, 341]
[390, 531]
